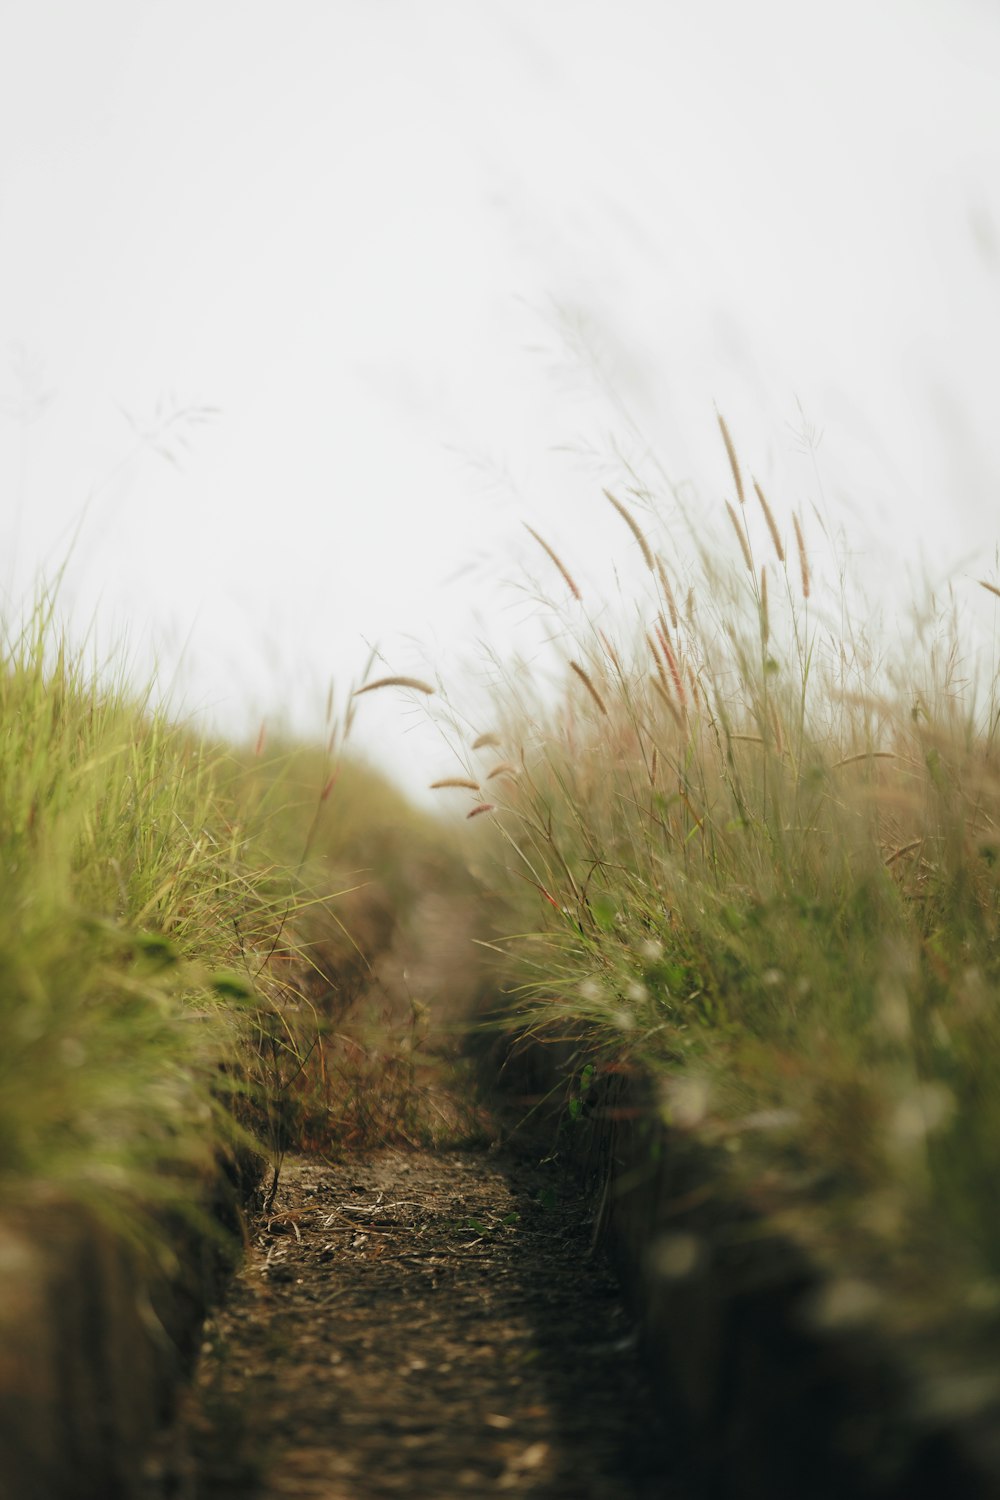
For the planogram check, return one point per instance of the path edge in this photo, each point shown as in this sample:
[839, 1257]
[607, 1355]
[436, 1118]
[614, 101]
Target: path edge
[780, 1400]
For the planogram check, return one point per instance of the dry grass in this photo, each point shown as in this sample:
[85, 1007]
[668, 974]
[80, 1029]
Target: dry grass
[556, 560]
[769, 867]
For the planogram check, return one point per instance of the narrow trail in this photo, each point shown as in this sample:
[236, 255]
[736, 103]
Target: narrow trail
[422, 1323]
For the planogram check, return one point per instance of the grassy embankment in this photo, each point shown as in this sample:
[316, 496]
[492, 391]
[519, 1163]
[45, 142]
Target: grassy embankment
[183, 926]
[756, 850]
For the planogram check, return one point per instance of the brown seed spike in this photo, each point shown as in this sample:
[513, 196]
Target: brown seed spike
[505, 768]
[772, 524]
[803, 556]
[589, 686]
[668, 702]
[657, 658]
[668, 592]
[990, 588]
[633, 526]
[613, 656]
[675, 674]
[480, 807]
[731, 454]
[403, 682]
[744, 544]
[765, 622]
[463, 781]
[483, 740]
[554, 557]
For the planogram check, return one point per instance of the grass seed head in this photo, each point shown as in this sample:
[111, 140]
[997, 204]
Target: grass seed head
[668, 593]
[765, 624]
[505, 768]
[635, 528]
[588, 684]
[741, 534]
[554, 558]
[414, 683]
[800, 542]
[731, 455]
[772, 524]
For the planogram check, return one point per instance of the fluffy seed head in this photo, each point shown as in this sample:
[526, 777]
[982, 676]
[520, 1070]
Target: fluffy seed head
[731, 455]
[800, 542]
[741, 534]
[669, 703]
[553, 557]
[772, 524]
[613, 656]
[585, 679]
[505, 768]
[404, 682]
[634, 527]
[668, 592]
[765, 624]
[658, 659]
[674, 672]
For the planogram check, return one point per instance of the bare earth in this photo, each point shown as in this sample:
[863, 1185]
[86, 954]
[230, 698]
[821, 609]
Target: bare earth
[422, 1323]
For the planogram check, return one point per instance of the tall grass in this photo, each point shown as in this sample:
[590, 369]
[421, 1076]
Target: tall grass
[755, 846]
[355, 866]
[127, 898]
[181, 923]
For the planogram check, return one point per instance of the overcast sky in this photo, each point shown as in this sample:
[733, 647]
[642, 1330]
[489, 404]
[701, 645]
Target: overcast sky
[427, 260]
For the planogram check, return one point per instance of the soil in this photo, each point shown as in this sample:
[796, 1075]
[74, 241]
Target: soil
[426, 1323]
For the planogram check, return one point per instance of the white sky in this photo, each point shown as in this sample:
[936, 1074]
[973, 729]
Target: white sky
[376, 234]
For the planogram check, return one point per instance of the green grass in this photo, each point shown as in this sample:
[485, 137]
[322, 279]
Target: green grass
[755, 849]
[179, 922]
[129, 907]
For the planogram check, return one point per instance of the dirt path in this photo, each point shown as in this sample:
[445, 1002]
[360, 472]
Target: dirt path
[426, 1324]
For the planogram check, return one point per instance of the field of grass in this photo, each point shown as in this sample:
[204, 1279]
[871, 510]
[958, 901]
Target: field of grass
[182, 923]
[755, 848]
[742, 837]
